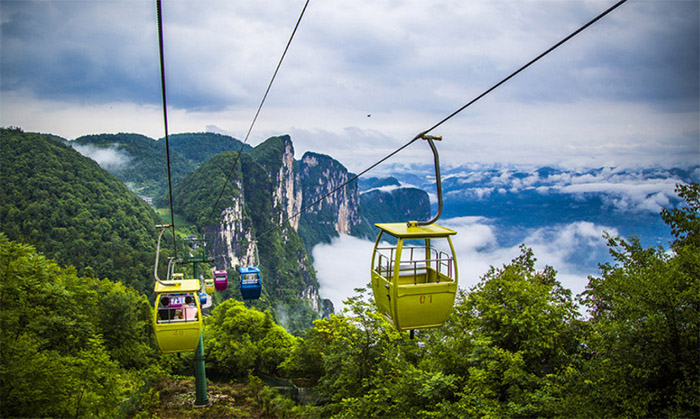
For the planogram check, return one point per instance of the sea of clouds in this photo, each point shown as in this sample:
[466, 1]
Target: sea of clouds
[344, 264]
[574, 248]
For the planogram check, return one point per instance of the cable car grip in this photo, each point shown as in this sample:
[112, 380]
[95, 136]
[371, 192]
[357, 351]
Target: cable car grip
[438, 181]
[162, 228]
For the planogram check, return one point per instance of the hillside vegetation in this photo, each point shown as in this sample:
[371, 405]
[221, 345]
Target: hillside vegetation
[144, 167]
[74, 211]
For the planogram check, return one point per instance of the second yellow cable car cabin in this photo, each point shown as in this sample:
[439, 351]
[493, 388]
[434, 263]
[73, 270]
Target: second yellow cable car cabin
[177, 318]
[414, 283]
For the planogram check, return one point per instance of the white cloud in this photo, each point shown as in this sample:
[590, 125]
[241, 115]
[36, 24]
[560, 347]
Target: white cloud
[387, 188]
[109, 158]
[626, 192]
[342, 266]
[573, 250]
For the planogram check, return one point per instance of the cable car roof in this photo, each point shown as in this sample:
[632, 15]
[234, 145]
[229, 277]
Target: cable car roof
[402, 230]
[248, 269]
[185, 285]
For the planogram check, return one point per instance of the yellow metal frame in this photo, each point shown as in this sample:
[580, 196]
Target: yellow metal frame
[178, 336]
[418, 301]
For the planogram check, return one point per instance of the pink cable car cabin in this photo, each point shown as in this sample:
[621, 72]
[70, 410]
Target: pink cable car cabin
[220, 280]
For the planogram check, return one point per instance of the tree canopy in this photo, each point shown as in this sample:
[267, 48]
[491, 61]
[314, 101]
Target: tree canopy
[71, 346]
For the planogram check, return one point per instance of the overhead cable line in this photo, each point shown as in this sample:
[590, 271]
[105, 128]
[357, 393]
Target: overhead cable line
[453, 114]
[257, 113]
[165, 118]
[513, 74]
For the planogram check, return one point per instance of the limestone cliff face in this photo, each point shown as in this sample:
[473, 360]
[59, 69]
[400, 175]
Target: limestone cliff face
[276, 156]
[287, 192]
[232, 241]
[267, 192]
[297, 184]
[336, 214]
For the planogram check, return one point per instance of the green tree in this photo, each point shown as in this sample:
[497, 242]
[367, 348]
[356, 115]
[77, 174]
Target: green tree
[55, 360]
[510, 340]
[363, 367]
[645, 315]
[239, 340]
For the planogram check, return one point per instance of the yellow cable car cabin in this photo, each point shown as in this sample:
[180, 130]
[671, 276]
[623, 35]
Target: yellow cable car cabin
[177, 318]
[209, 285]
[414, 283]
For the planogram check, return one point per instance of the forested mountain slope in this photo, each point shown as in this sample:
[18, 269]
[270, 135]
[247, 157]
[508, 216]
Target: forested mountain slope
[397, 205]
[142, 160]
[74, 211]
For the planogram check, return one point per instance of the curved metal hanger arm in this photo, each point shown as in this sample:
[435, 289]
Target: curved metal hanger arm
[436, 158]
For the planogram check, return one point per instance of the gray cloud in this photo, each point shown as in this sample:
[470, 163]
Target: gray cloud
[221, 55]
[626, 90]
[77, 51]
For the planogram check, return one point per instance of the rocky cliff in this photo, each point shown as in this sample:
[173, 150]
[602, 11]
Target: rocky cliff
[246, 227]
[276, 155]
[336, 214]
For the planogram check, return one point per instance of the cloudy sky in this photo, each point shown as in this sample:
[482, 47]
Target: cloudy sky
[363, 77]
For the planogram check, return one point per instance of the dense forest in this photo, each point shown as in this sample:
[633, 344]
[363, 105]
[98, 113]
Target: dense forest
[74, 211]
[146, 170]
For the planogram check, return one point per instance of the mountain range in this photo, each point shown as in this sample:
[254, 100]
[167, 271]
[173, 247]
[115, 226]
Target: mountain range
[273, 201]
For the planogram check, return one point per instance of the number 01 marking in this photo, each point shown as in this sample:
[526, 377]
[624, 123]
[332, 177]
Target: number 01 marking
[422, 299]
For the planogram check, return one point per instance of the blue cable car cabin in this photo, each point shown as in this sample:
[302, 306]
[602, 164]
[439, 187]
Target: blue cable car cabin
[249, 282]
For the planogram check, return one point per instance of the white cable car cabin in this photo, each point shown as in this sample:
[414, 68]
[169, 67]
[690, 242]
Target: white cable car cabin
[414, 283]
[177, 318]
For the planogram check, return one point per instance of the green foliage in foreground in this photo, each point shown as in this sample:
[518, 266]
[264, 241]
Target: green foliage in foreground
[645, 319]
[71, 346]
[82, 347]
[241, 340]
